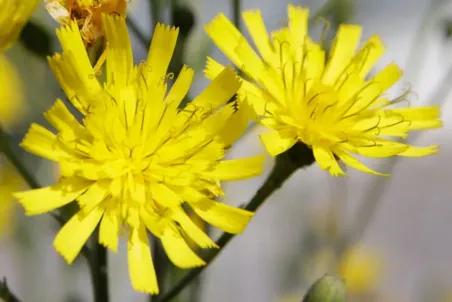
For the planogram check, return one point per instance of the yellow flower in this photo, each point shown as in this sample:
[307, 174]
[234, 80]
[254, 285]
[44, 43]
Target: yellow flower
[13, 16]
[327, 104]
[361, 270]
[137, 159]
[87, 13]
[11, 95]
[10, 181]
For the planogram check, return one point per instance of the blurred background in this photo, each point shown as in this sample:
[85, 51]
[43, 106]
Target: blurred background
[388, 237]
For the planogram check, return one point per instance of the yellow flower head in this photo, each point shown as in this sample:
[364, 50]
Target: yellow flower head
[361, 270]
[13, 16]
[328, 104]
[136, 159]
[87, 13]
[11, 95]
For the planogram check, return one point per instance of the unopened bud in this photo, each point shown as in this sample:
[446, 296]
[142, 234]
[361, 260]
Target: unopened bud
[327, 289]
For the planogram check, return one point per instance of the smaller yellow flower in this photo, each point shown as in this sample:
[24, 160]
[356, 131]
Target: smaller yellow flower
[10, 182]
[325, 101]
[13, 16]
[11, 97]
[361, 270]
[87, 13]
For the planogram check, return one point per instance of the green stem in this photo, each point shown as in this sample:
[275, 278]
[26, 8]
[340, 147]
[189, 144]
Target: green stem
[285, 165]
[160, 266]
[100, 273]
[236, 8]
[6, 294]
[155, 12]
[5, 147]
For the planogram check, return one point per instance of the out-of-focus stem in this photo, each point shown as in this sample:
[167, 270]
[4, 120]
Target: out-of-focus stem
[236, 8]
[6, 294]
[100, 273]
[285, 165]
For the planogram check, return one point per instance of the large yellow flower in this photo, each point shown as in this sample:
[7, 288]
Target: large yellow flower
[137, 159]
[87, 13]
[327, 104]
[13, 16]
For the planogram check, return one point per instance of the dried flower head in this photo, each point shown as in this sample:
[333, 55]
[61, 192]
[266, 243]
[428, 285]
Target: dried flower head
[87, 13]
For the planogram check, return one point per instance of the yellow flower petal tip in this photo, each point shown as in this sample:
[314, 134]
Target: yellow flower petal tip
[137, 158]
[324, 101]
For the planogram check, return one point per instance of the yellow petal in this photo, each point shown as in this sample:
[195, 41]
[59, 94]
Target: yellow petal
[343, 49]
[419, 118]
[227, 218]
[95, 194]
[62, 119]
[73, 69]
[298, 26]
[181, 87]
[44, 143]
[219, 91]
[354, 163]
[367, 56]
[160, 52]
[73, 235]
[379, 148]
[178, 250]
[259, 34]
[372, 90]
[238, 169]
[50, 198]
[213, 68]
[141, 268]
[110, 225]
[214, 123]
[260, 100]
[227, 37]
[237, 124]
[326, 160]
[276, 143]
[164, 195]
[119, 55]
[420, 151]
[192, 230]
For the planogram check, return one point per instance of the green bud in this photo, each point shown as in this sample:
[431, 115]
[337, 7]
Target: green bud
[327, 289]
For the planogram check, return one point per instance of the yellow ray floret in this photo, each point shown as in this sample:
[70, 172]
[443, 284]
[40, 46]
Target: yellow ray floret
[137, 159]
[325, 102]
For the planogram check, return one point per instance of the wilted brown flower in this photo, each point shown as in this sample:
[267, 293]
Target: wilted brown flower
[87, 13]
